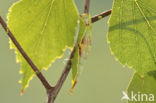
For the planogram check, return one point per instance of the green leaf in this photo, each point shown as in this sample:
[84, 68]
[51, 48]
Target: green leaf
[76, 58]
[143, 85]
[82, 46]
[44, 28]
[132, 34]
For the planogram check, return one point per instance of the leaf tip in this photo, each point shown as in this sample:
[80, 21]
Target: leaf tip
[74, 82]
[22, 92]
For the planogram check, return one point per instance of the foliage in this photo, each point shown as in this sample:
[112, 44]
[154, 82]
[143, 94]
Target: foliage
[132, 38]
[83, 44]
[76, 58]
[44, 29]
[132, 35]
[143, 85]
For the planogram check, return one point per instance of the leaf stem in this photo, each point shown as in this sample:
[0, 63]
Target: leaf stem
[101, 15]
[27, 58]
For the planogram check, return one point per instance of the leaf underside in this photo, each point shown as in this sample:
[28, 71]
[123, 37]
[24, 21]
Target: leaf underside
[76, 58]
[144, 85]
[132, 34]
[132, 39]
[44, 29]
[83, 45]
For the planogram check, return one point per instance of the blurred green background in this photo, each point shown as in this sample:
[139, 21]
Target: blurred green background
[102, 78]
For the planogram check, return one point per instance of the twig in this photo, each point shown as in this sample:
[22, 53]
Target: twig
[101, 15]
[30, 62]
[52, 94]
[87, 6]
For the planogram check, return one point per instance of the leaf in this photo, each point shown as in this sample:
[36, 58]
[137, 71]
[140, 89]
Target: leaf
[132, 34]
[83, 40]
[76, 58]
[44, 28]
[143, 85]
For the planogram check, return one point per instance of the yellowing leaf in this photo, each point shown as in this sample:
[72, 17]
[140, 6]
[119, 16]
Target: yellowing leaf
[44, 28]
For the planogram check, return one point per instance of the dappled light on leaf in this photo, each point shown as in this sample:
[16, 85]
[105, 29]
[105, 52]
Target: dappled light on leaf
[132, 34]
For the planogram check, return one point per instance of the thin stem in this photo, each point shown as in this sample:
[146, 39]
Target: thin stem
[27, 58]
[87, 6]
[69, 63]
[52, 94]
[101, 15]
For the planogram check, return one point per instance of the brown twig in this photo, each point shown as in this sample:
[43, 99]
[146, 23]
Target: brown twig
[54, 92]
[101, 15]
[30, 62]
[86, 6]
